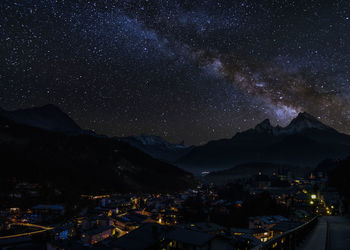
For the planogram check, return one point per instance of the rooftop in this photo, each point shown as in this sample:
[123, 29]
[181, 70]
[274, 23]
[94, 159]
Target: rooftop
[144, 237]
[99, 230]
[51, 207]
[189, 237]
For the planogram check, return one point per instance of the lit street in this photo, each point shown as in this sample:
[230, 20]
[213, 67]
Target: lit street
[43, 229]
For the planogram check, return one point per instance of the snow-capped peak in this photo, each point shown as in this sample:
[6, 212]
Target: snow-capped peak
[150, 139]
[305, 121]
[157, 140]
[301, 122]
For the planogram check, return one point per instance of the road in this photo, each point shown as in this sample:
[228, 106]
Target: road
[43, 229]
[338, 234]
[32, 225]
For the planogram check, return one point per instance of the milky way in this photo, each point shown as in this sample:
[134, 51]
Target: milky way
[184, 70]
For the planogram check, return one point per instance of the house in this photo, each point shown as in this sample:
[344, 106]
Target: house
[252, 234]
[41, 208]
[64, 232]
[180, 238]
[148, 236]
[48, 209]
[206, 227]
[155, 236]
[232, 242]
[108, 211]
[284, 226]
[130, 221]
[139, 218]
[97, 235]
[41, 212]
[96, 221]
[265, 222]
[124, 224]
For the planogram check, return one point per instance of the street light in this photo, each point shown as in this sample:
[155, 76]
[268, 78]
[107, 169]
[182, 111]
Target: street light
[313, 196]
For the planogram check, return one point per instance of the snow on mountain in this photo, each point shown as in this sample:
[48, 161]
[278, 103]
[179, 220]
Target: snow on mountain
[305, 121]
[300, 123]
[157, 140]
[305, 141]
[157, 147]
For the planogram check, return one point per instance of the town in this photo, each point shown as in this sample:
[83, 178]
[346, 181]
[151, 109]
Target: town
[175, 125]
[242, 214]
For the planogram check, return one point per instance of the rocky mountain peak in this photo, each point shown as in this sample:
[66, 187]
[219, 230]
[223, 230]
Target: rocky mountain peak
[264, 126]
[305, 120]
[49, 117]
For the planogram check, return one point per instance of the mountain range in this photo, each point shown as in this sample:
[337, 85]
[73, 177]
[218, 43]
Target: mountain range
[43, 145]
[305, 142]
[48, 117]
[157, 147]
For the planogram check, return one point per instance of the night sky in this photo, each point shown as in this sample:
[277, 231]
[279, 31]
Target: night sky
[183, 70]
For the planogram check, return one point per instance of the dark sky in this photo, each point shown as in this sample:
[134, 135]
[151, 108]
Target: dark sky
[183, 70]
